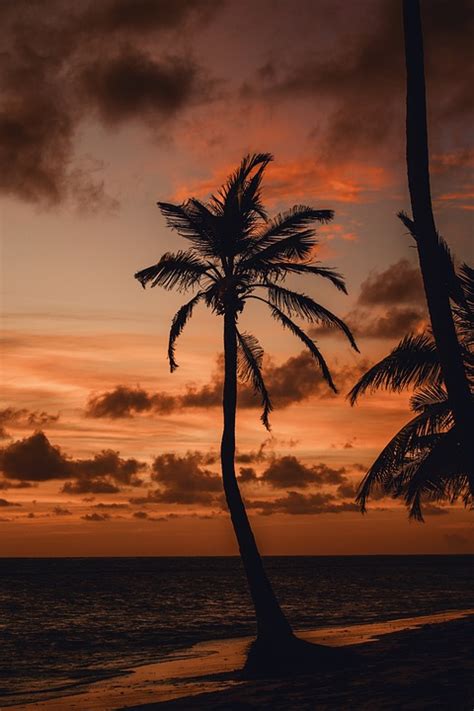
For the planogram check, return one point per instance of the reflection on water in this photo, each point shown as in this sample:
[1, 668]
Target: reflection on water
[67, 619]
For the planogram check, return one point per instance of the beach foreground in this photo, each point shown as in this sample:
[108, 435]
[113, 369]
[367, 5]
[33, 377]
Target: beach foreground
[412, 663]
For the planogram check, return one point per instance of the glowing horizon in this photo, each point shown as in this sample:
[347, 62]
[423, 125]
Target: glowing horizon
[84, 348]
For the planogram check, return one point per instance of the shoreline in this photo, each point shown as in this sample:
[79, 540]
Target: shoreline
[210, 669]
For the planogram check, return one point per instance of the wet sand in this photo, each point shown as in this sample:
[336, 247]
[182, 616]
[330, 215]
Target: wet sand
[407, 663]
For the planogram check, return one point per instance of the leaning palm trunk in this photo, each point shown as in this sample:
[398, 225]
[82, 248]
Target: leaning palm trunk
[235, 252]
[427, 238]
[271, 622]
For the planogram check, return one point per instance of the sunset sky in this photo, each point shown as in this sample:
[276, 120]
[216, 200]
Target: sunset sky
[108, 107]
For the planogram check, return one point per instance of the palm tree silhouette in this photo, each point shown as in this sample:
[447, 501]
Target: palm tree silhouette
[426, 459]
[236, 254]
[424, 232]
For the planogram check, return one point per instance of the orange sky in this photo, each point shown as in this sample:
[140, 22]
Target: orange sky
[145, 105]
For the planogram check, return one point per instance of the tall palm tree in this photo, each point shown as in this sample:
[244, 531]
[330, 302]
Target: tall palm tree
[236, 254]
[426, 459]
[423, 229]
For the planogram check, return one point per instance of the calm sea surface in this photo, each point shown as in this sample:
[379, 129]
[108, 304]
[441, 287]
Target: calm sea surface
[63, 620]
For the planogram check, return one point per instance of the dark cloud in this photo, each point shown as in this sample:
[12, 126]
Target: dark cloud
[134, 86]
[4, 503]
[120, 402]
[59, 511]
[35, 146]
[291, 382]
[247, 475]
[253, 456]
[111, 60]
[90, 486]
[60, 66]
[96, 517]
[355, 79]
[399, 284]
[206, 396]
[296, 379]
[144, 16]
[395, 322]
[295, 503]
[140, 514]
[109, 463]
[22, 417]
[359, 81]
[35, 459]
[288, 471]
[7, 484]
[390, 304]
[123, 401]
[184, 480]
[145, 516]
[347, 490]
[110, 506]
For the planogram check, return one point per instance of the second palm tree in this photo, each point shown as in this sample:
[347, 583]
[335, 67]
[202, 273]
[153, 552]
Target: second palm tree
[236, 253]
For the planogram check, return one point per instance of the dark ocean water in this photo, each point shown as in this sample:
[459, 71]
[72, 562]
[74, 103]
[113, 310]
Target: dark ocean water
[68, 619]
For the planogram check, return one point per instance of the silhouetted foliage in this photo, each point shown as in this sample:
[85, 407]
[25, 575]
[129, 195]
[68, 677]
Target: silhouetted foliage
[425, 460]
[237, 253]
[431, 457]
[438, 276]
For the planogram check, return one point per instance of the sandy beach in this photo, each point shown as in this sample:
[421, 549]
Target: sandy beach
[413, 663]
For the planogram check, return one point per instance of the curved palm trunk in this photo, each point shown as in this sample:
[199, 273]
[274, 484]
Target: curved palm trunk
[435, 286]
[271, 622]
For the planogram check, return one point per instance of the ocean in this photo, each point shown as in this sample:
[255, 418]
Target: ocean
[69, 619]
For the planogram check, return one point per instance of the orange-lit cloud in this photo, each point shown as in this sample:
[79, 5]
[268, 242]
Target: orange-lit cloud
[293, 381]
[462, 199]
[390, 304]
[304, 181]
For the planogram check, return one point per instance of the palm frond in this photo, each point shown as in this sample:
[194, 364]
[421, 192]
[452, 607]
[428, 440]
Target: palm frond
[238, 205]
[428, 395]
[181, 269]
[282, 269]
[408, 222]
[286, 223]
[305, 307]
[192, 224]
[297, 246]
[249, 369]
[464, 311]
[440, 474]
[180, 319]
[413, 362]
[449, 274]
[446, 264]
[231, 192]
[284, 237]
[278, 315]
[466, 277]
[402, 450]
[251, 200]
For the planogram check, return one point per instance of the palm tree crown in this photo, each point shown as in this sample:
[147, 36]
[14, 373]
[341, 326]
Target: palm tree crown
[236, 253]
[425, 460]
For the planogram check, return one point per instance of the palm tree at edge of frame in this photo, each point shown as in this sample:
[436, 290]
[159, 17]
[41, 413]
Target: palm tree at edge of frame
[425, 461]
[235, 251]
